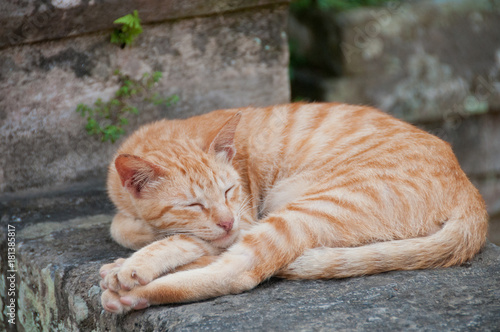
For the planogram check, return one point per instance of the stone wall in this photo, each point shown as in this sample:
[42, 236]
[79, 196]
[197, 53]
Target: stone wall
[57, 54]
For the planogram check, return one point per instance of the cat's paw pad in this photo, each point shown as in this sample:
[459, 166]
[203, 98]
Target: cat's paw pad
[123, 302]
[111, 302]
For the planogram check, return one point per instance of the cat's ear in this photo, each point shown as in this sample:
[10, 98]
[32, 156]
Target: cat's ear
[223, 143]
[136, 173]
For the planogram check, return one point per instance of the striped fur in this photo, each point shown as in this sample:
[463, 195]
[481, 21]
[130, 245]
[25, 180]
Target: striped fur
[302, 191]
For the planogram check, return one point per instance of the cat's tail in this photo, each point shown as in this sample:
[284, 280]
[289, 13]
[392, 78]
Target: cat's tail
[456, 242]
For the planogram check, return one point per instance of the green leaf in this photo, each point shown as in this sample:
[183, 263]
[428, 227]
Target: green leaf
[130, 29]
[171, 100]
[125, 20]
[157, 75]
[92, 127]
[83, 109]
[115, 37]
[122, 91]
[105, 111]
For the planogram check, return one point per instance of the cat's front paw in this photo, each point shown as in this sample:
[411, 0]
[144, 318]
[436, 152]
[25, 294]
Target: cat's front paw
[131, 275]
[122, 302]
[125, 275]
[107, 271]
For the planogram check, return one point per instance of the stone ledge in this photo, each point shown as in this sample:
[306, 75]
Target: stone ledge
[22, 22]
[57, 288]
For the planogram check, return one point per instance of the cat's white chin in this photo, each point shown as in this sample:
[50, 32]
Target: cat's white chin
[226, 240]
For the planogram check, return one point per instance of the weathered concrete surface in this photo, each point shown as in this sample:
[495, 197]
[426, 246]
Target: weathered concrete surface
[58, 265]
[234, 59]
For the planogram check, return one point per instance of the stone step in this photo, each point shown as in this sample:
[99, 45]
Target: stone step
[56, 286]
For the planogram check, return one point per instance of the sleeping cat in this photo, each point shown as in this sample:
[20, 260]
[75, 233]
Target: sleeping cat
[217, 203]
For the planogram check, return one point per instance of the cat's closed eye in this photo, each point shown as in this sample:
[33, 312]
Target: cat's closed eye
[196, 205]
[228, 191]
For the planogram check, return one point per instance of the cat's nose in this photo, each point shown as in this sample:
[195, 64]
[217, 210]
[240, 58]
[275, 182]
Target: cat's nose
[227, 224]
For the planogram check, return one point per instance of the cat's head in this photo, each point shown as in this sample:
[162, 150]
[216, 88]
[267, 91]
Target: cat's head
[183, 188]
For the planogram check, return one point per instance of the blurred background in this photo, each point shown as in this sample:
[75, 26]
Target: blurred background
[434, 63]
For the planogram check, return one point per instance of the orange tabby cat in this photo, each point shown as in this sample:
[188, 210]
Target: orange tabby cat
[302, 191]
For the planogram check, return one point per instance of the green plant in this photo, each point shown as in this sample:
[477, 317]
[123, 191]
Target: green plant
[130, 29]
[106, 120]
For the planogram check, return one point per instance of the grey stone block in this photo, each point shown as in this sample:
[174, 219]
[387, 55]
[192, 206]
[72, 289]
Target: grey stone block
[422, 60]
[58, 265]
[231, 60]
